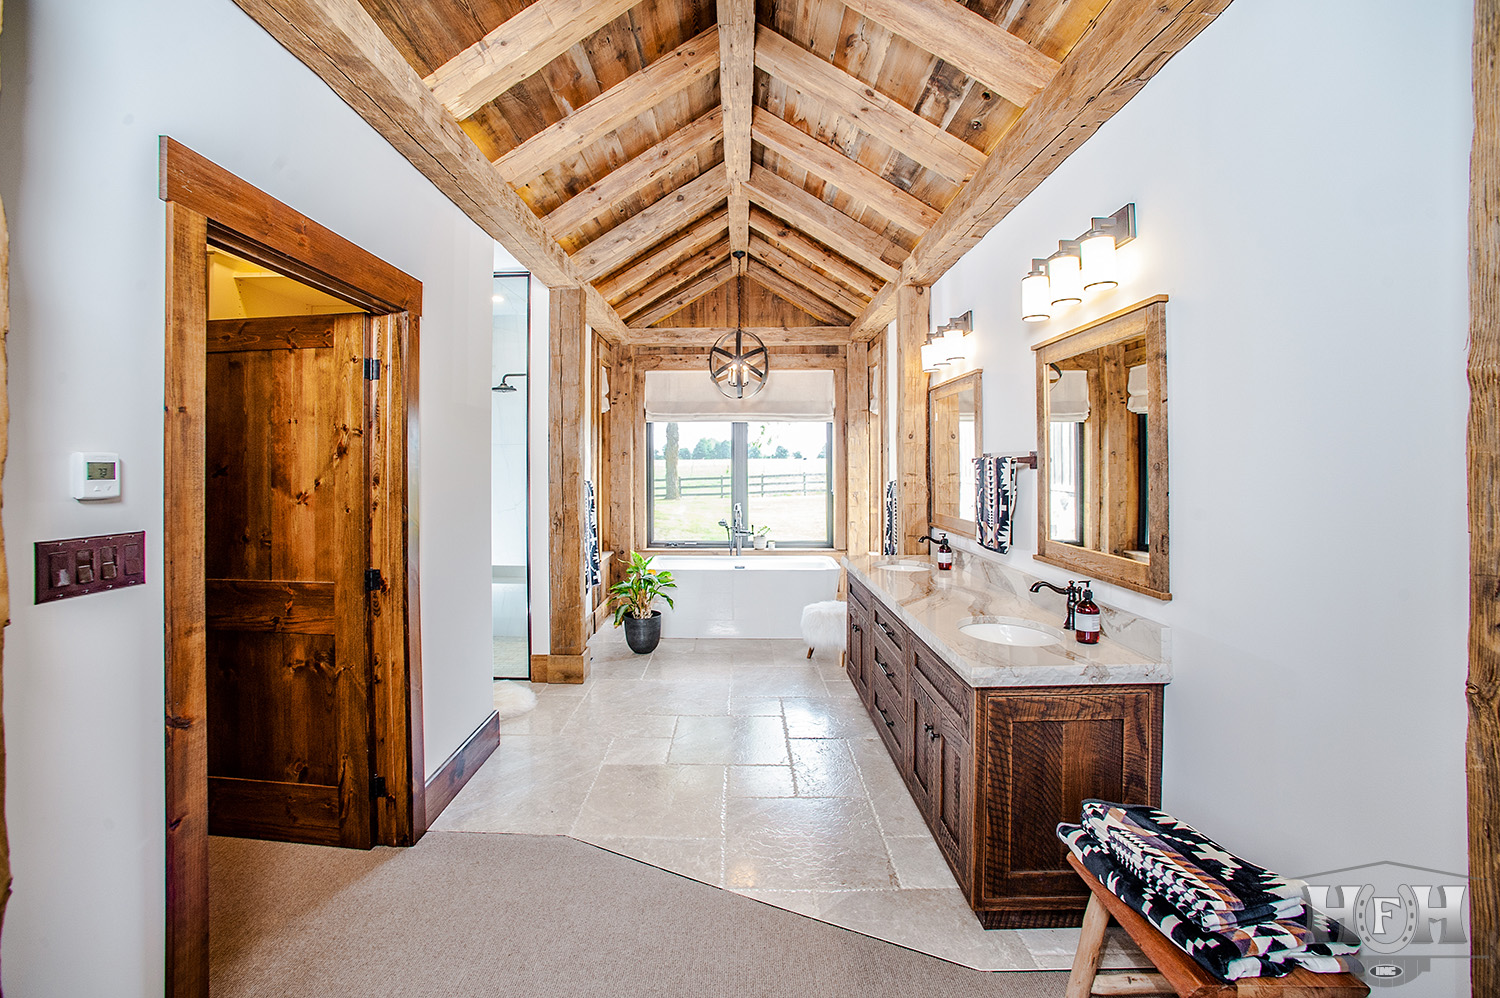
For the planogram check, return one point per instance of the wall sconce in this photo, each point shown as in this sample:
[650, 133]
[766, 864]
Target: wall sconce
[945, 345]
[1080, 265]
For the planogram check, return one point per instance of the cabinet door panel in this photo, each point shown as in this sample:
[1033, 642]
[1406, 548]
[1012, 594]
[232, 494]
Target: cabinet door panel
[926, 777]
[856, 659]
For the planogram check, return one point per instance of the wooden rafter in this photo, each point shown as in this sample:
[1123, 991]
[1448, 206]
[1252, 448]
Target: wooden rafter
[707, 230]
[737, 96]
[795, 293]
[339, 41]
[828, 163]
[790, 238]
[974, 44]
[1128, 44]
[633, 96]
[804, 273]
[687, 294]
[647, 228]
[824, 223]
[701, 336]
[636, 174]
[517, 49]
[872, 111]
[673, 278]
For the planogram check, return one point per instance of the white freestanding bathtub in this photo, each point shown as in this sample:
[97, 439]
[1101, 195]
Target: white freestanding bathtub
[754, 596]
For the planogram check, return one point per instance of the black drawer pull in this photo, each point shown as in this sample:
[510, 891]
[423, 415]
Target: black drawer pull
[888, 673]
[888, 632]
[886, 717]
[928, 728]
[855, 627]
[932, 733]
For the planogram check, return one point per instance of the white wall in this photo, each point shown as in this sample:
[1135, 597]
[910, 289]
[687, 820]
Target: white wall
[88, 88]
[1305, 209]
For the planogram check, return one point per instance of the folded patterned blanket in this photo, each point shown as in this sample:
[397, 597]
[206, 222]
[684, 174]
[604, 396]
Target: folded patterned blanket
[1262, 949]
[1200, 878]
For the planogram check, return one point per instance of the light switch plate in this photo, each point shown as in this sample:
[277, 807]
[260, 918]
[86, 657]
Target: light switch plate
[82, 565]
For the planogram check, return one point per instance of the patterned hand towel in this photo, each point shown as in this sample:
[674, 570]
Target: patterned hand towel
[1208, 884]
[1262, 949]
[892, 519]
[995, 501]
[591, 535]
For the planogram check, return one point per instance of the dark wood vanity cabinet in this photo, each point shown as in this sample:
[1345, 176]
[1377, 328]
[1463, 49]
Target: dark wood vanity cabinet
[993, 770]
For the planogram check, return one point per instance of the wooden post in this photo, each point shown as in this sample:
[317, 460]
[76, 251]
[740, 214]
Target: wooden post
[567, 659]
[4, 580]
[1483, 687]
[622, 469]
[857, 444]
[912, 325]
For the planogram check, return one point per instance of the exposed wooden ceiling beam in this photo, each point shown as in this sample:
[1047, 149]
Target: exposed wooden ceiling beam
[780, 233]
[339, 41]
[975, 44]
[674, 278]
[827, 163]
[739, 223]
[633, 96]
[1126, 45]
[737, 96]
[688, 294]
[824, 222]
[804, 273]
[635, 175]
[647, 228]
[795, 293]
[704, 232]
[704, 336]
[517, 49]
[883, 117]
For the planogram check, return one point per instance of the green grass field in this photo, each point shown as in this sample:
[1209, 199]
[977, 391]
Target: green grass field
[695, 517]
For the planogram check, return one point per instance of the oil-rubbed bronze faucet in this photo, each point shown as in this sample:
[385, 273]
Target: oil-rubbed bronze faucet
[1074, 592]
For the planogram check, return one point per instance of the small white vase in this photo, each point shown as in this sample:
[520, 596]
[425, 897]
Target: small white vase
[760, 543]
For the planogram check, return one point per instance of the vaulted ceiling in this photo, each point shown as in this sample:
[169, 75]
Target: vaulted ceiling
[635, 146]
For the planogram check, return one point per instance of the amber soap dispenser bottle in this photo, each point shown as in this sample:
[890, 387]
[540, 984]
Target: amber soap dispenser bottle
[944, 554]
[1086, 618]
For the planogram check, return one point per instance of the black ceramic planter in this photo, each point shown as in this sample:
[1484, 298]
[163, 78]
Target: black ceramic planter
[643, 635]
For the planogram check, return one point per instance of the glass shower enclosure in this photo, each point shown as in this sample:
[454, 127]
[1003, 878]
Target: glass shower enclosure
[509, 365]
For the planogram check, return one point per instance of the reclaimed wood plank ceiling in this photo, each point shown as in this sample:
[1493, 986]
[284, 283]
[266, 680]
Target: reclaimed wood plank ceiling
[844, 144]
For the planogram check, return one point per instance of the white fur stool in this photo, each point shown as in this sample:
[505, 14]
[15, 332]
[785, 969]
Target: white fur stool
[825, 625]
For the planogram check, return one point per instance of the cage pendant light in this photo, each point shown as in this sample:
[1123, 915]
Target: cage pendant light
[739, 362]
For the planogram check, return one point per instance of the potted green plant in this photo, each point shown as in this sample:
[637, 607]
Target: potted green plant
[759, 537]
[633, 599]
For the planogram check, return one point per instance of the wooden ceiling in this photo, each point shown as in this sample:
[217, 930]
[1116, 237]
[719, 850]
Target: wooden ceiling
[632, 146]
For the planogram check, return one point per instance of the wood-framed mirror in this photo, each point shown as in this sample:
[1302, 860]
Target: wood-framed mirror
[955, 427]
[1102, 449]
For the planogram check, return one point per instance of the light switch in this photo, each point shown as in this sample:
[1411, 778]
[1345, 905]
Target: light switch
[82, 565]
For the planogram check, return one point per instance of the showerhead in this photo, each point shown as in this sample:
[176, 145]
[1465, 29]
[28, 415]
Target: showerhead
[505, 385]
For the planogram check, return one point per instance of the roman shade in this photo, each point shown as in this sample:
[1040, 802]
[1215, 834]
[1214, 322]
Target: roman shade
[690, 396]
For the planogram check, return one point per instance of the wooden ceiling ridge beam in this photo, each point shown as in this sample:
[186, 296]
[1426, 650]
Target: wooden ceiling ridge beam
[1122, 49]
[672, 280]
[669, 75]
[792, 239]
[831, 164]
[737, 97]
[872, 111]
[704, 232]
[518, 49]
[703, 337]
[973, 43]
[647, 228]
[339, 41]
[687, 294]
[824, 223]
[816, 306]
[806, 274]
[636, 174]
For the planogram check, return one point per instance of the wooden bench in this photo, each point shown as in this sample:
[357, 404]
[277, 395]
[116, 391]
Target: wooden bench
[1176, 972]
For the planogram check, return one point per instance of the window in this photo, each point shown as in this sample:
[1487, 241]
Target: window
[1065, 489]
[780, 473]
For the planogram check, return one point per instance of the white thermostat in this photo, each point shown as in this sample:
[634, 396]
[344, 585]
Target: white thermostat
[95, 476]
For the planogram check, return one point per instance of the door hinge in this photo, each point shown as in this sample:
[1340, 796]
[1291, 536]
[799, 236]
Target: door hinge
[374, 582]
[372, 368]
[377, 787]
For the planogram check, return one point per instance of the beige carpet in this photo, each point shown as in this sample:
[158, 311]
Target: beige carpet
[466, 915]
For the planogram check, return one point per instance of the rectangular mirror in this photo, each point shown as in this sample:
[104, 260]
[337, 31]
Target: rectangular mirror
[954, 440]
[1102, 449]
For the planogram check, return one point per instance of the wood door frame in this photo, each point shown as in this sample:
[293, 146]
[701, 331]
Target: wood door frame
[206, 203]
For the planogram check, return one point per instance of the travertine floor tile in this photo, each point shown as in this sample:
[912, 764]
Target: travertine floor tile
[761, 781]
[803, 843]
[734, 740]
[671, 802]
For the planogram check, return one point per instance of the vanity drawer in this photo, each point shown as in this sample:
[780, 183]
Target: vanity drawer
[952, 691]
[888, 627]
[858, 595]
[888, 667]
[889, 715]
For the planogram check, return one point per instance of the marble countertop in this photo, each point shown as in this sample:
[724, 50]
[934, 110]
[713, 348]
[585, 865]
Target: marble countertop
[933, 605]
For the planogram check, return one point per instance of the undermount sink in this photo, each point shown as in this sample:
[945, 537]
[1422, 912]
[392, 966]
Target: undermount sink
[904, 566]
[1010, 633]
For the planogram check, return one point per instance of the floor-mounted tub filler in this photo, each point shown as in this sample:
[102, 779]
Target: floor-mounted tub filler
[748, 597]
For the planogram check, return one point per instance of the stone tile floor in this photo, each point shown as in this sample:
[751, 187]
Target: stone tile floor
[744, 765]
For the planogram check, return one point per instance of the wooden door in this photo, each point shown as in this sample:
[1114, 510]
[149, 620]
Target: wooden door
[286, 547]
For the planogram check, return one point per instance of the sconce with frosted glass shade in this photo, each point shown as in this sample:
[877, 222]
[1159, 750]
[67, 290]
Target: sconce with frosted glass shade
[1065, 274]
[1036, 294]
[952, 337]
[932, 357]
